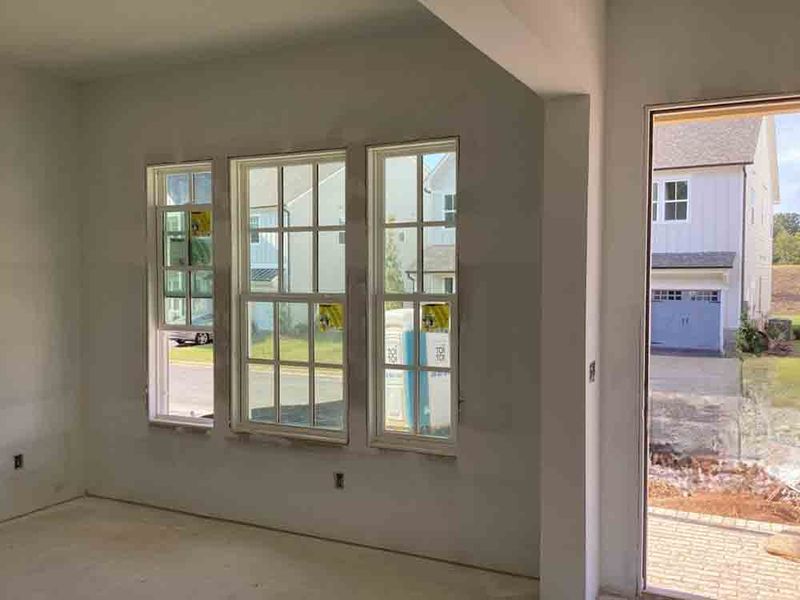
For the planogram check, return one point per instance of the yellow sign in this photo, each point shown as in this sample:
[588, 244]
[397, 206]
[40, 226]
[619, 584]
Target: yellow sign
[435, 317]
[201, 223]
[331, 316]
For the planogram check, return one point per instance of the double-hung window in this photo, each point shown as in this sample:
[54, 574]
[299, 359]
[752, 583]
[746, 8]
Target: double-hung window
[180, 294]
[676, 200]
[289, 295]
[413, 296]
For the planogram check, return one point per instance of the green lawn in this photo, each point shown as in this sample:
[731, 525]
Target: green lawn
[774, 377]
[327, 347]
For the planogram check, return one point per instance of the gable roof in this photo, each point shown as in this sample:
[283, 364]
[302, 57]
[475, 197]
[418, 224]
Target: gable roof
[692, 260]
[712, 142]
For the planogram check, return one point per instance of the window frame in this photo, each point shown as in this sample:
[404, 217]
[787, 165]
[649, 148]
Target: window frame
[664, 200]
[379, 437]
[241, 296]
[156, 345]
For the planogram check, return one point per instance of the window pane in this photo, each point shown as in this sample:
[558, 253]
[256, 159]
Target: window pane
[178, 189]
[175, 311]
[439, 186]
[202, 284]
[202, 188]
[295, 399]
[400, 260]
[331, 262]
[189, 387]
[671, 190]
[329, 398]
[329, 333]
[262, 187]
[398, 326]
[332, 178]
[264, 262]
[669, 211]
[439, 258]
[201, 246]
[175, 284]
[202, 312]
[400, 189]
[176, 249]
[434, 404]
[434, 337]
[298, 262]
[680, 211]
[398, 399]
[293, 331]
[297, 196]
[261, 330]
[261, 392]
[683, 190]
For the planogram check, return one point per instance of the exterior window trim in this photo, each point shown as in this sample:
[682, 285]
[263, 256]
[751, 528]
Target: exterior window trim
[378, 436]
[155, 345]
[241, 296]
[664, 201]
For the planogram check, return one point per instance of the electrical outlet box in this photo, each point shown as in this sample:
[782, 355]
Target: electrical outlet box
[19, 461]
[338, 481]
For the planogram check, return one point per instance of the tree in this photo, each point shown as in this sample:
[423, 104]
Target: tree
[393, 272]
[786, 248]
[788, 222]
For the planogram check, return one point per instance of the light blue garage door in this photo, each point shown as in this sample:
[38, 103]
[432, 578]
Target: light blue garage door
[685, 319]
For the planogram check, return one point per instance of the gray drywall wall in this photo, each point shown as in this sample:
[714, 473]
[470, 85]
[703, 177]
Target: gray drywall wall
[39, 292]
[416, 82]
[661, 52]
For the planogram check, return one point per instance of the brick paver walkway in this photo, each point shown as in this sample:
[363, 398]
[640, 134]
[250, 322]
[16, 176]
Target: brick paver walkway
[716, 562]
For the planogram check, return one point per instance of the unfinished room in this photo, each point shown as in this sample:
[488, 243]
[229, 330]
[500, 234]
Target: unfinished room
[430, 299]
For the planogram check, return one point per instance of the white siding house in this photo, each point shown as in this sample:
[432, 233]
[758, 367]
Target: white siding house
[714, 187]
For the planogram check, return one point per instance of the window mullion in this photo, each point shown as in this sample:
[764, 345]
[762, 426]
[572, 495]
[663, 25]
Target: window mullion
[311, 368]
[276, 371]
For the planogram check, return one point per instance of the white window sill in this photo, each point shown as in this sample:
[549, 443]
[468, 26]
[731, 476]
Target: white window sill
[287, 435]
[420, 445]
[179, 423]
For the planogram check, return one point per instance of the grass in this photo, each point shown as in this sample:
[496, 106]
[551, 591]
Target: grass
[327, 348]
[794, 318]
[774, 377]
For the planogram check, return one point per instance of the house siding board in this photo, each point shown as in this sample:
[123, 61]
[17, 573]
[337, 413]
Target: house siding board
[714, 225]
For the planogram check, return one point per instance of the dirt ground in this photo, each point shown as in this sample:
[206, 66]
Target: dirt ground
[724, 488]
[785, 290]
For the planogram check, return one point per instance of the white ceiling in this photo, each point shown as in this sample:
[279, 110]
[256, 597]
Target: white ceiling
[88, 38]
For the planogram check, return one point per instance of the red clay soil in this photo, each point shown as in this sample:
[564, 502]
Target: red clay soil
[740, 505]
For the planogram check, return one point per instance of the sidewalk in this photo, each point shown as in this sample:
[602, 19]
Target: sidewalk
[716, 561]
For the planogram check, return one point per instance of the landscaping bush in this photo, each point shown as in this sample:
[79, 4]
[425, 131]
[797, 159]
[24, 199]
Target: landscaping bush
[749, 339]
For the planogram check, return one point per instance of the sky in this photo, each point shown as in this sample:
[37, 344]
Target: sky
[787, 128]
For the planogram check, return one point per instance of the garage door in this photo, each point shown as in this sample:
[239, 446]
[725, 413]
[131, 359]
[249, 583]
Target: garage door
[686, 319]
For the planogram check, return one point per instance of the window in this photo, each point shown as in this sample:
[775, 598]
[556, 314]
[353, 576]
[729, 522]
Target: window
[676, 200]
[704, 296]
[413, 304]
[667, 295]
[180, 294]
[655, 203]
[290, 300]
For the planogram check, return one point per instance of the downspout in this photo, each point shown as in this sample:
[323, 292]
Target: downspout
[744, 246]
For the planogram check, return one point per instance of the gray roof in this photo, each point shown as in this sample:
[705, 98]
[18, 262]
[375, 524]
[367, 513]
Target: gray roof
[692, 260]
[711, 142]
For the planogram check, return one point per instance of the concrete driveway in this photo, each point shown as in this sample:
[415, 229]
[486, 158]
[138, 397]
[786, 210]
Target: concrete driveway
[695, 375]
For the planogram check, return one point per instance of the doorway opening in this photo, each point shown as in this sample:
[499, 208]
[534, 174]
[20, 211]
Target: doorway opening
[723, 405]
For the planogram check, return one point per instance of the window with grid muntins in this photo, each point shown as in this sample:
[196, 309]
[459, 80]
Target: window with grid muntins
[413, 304]
[667, 295]
[704, 295]
[291, 294]
[181, 292]
[676, 200]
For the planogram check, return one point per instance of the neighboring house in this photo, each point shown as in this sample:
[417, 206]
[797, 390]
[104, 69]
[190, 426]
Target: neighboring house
[715, 183]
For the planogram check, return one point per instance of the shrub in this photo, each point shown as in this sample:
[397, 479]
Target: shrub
[796, 331]
[748, 338]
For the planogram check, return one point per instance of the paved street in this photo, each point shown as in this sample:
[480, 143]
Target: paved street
[701, 375]
[716, 562]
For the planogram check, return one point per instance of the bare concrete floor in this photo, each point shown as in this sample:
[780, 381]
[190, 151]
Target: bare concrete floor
[91, 549]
